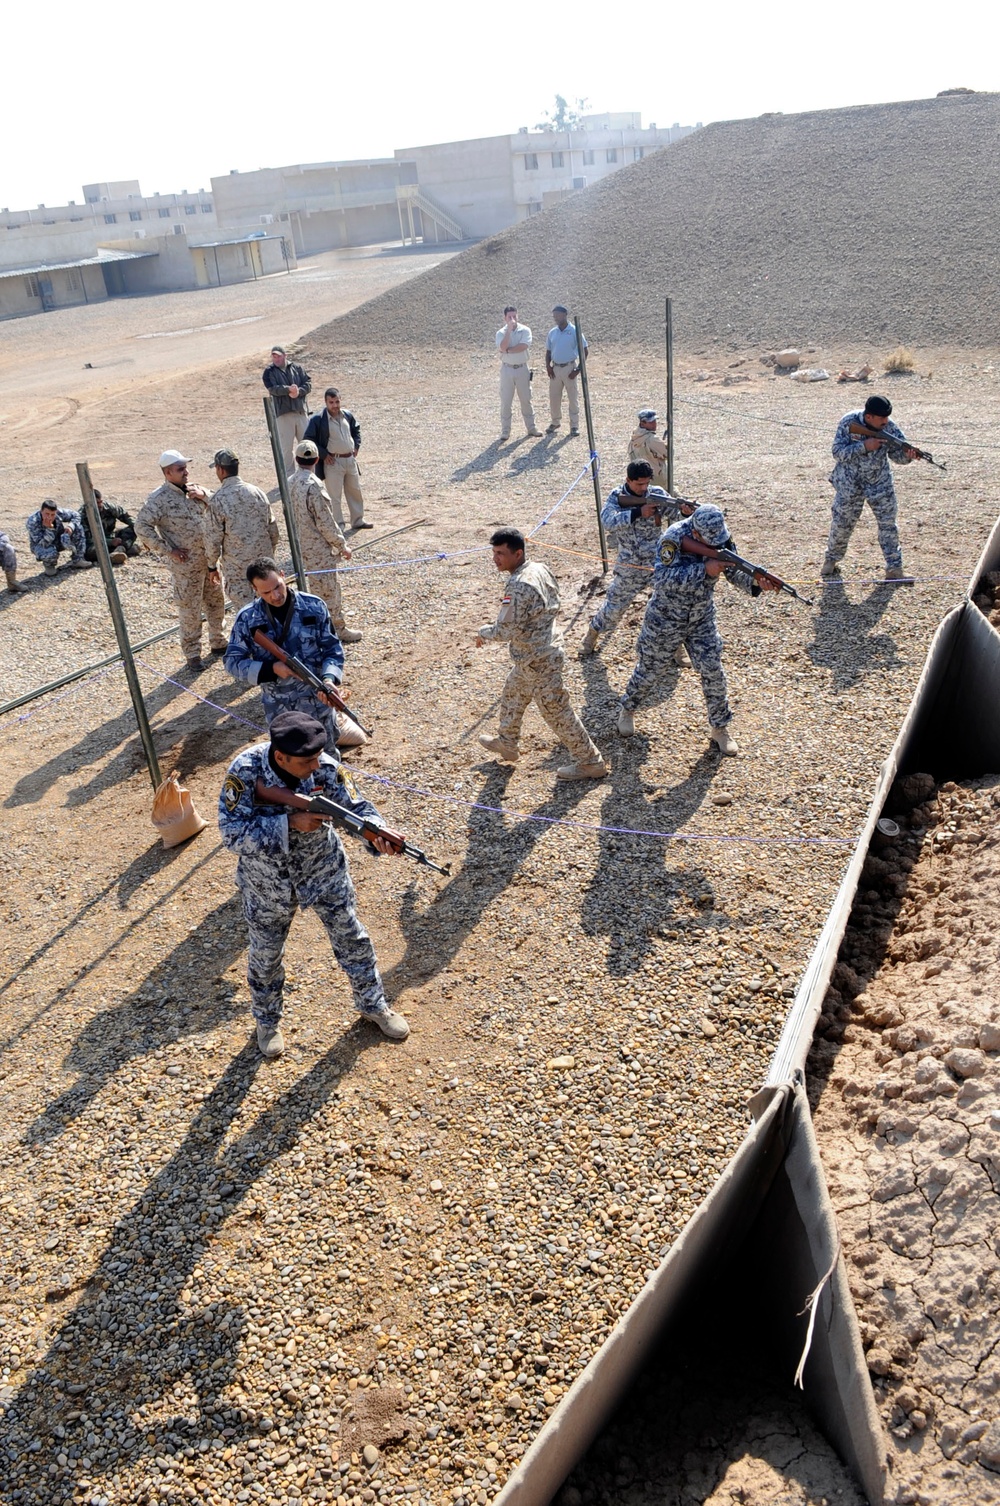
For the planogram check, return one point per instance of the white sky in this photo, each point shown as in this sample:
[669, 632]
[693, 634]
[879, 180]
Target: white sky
[176, 93]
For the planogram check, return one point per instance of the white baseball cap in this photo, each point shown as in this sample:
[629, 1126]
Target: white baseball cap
[173, 457]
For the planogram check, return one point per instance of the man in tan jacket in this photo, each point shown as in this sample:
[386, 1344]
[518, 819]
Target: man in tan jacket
[171, 522]
[321, 540]
[644, 445]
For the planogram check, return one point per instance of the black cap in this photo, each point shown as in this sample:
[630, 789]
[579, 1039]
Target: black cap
[297, 735]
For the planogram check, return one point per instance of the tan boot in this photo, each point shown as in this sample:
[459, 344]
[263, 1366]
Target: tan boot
[270, 1040]
[346, 634]
[118, 557]
[829, 570]
[392, 1024]
[589, 644]
[14, 586]
[899, 578]
[509, 752]
[727, 745]
[626, 722]
[682, 658]
[349, 734]
[583, 771]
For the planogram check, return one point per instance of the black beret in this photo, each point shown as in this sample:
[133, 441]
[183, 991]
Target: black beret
[298, 735]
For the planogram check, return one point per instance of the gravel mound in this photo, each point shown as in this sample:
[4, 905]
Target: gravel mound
[876, 222]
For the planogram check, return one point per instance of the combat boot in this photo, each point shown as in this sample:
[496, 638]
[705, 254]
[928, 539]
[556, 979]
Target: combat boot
[626, 722]
[49, 567]
[270, 1040]
[346, 634]
[727, 745]
[118, 557]
[896, 577]
[14, 586]
[583, 771]
[589, 644]
[349, 734]
[829, 570]
[509, 752]
[133, 551]
[392, 1024]
[80, 564]
[682, 658]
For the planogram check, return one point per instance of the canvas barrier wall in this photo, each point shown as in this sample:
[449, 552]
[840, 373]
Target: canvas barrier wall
[771, 1203]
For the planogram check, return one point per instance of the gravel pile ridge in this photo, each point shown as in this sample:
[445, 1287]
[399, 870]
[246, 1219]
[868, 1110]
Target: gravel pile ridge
[875, 222]
[904, 1073]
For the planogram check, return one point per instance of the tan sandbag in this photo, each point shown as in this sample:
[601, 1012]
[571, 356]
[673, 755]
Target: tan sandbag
[174, 815]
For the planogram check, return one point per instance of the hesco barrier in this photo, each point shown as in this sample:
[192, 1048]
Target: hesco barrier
[770, 1211]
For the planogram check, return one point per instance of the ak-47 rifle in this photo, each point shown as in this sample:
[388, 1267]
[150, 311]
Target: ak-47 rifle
[628, 503]
[362, 826]
[730, 557]
[303, 672]
[894, 441]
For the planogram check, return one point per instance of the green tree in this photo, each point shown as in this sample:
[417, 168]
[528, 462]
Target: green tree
[564, 117]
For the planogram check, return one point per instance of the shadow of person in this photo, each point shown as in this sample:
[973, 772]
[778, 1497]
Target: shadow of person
[540, 457]
[213, 737]
[635, 889]
[133, 1342]
[180, 997]
[482, 463]
[496, 850]
[844, 642]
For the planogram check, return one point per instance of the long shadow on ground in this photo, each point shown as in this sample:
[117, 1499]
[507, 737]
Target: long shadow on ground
[844, 640]
[130, 1342]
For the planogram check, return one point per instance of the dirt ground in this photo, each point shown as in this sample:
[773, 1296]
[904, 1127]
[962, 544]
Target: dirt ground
[225, 1278]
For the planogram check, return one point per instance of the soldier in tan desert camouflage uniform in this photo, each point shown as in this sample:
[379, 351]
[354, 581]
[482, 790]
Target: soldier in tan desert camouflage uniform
[321, 539]
[171, 522]
[644, 445]
[239, 527]
[527, 622]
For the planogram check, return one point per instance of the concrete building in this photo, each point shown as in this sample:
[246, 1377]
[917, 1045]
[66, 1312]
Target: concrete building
[72, 231]
[495, 181]
[323, 205]
[155, 264]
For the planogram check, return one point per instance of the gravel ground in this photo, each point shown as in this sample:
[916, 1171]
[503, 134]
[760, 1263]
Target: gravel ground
[228, 1279]
[904, 1074]
[875, 223]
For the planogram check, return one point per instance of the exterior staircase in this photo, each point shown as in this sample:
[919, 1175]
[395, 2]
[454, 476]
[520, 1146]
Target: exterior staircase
[418, 215]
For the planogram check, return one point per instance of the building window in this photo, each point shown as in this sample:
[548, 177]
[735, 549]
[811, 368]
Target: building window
[111, 219]
[557, 159]
[73, 280]
[164, 214]
[611, 155]
[206, 209]
[588, 159]
[134, 214]
[531, 162]
[31, 285]
[638, 152]
[190, 209]
[579, 182]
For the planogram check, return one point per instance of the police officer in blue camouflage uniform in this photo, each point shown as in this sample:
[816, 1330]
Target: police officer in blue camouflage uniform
[56, 530]
[862, 475]
[682, 611]
[633, 521]
[300, 624]
[289, 858]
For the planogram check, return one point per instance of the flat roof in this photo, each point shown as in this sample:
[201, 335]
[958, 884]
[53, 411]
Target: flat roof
[82, 261]
[239, 240]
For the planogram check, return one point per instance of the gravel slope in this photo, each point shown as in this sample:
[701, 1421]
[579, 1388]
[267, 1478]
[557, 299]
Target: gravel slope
[877, 222]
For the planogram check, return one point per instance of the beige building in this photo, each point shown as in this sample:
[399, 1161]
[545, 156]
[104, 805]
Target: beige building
[109, 211]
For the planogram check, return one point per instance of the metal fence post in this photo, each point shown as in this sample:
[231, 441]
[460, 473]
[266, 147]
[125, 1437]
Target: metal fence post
[286, 501]
[582, 359]
[118, 618]
[670, 395]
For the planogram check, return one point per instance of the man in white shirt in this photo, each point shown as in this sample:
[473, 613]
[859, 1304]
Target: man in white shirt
[513, 344]
[562, 365]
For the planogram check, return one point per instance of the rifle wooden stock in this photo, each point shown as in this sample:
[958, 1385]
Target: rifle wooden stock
[302, 672]
[730, 557]
[361, 826]
[863, 432]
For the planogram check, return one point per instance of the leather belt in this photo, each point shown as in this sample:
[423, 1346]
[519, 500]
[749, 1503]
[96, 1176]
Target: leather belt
[564, 363]
[348, 456]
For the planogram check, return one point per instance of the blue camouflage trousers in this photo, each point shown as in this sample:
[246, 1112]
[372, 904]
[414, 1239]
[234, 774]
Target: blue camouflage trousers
[269, 917]
[656, 673]
[8, 559]
[848, 503]
[627, 582]
[71, 539]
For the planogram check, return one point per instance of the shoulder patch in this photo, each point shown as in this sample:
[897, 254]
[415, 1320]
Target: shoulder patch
[668, 550]
[232, 789]
[345, 778]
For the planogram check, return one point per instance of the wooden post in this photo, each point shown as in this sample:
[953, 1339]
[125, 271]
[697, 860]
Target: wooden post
[582, 357]
[670, 396]
[286, 501]
[118, 618]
